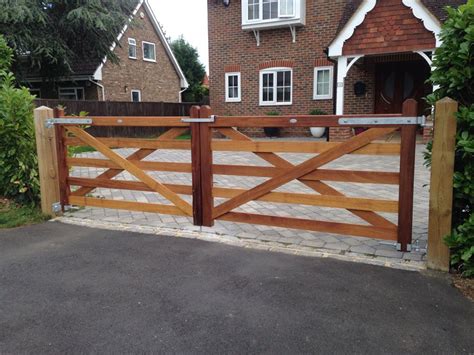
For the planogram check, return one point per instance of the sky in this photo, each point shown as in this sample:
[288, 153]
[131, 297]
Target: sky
[187, 18]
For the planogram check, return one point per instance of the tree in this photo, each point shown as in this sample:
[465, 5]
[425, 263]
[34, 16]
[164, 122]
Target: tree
[49, 36]
[194, 71]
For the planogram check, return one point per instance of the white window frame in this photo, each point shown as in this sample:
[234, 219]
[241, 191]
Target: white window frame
[132, 42]
[154, 51]
[274, 71]
[239, 88]
[139, 95]
[329, 96]
[260, 12]
[75, 88]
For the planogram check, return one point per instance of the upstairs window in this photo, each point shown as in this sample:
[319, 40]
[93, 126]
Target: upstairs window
[264, 10]
[276, 86]
[132, 48]
[232, 87]
[149, 52]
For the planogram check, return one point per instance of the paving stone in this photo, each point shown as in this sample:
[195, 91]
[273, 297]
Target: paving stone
[389, 254]
[313, 243]
[337, 246]
[363, 249]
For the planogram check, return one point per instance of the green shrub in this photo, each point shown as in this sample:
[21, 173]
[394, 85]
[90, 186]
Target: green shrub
[18, 160]
[317, 112]
[454, 63]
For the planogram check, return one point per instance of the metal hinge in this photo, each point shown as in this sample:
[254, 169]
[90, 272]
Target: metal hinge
[211, 119]
[56, 207]
[383, 121]
[399, 247]
[52, 121]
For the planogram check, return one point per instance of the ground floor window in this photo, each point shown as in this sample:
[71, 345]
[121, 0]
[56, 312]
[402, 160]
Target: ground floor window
[36, 92]
[276, 86]
[232, 87]
[71, 93]
[323, 79]
[136, 96]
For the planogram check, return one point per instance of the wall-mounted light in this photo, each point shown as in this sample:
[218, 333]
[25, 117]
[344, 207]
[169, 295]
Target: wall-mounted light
[226, 2]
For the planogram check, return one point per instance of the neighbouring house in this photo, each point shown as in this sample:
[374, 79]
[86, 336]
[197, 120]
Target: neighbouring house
[147, 71]
[343, 57]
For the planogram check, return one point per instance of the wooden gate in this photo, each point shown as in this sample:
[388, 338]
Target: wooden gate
[211, 134]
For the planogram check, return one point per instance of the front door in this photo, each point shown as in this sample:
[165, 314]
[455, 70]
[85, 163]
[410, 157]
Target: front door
[399, 81]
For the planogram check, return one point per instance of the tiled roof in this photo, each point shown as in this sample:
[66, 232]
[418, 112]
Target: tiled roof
[436, 7]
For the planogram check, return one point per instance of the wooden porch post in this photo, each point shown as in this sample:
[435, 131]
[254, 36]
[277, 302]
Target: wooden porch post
[407, 176]
[441, 187]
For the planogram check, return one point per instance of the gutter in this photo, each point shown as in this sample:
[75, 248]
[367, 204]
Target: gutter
[99, 85]
[180, 94]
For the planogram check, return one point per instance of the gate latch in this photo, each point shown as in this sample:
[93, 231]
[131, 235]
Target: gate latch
[383, 121]
[211, 119]
[73, 121]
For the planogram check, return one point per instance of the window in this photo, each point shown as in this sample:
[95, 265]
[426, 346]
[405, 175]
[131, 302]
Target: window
[253, 10]
[132, 48]
[76, 93]
[265, 10]
[276, 86]
[323, 79]
[36, 92]
[149, 53]
[232, 87]
[136, 96]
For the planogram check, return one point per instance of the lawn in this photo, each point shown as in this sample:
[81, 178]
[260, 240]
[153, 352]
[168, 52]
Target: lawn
[13, 215]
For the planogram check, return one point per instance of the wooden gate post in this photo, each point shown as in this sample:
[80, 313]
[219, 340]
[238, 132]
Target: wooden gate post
[441, 187]
[63, 169]
[47, 160]
[407, 177]
[196, 166]
[207, 178]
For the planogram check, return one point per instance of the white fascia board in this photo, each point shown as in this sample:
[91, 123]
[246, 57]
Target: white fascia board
[98, 71]
[156, 24]
[430, 22]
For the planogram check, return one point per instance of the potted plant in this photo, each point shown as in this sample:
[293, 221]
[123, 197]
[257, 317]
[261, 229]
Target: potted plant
[272, 132]
[317, 132]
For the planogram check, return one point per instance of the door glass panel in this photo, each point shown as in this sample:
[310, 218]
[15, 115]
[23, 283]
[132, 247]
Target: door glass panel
[389, 86]
[408, 85]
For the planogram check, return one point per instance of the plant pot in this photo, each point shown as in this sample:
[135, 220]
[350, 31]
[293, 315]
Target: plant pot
[272, 131]
[317, 132]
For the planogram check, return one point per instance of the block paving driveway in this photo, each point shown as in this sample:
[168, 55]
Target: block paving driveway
[356, 246]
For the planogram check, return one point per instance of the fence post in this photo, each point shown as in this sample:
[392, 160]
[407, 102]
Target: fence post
[63, 169]
[207, 178]
[196, 166]
[407, 177]
[47, 160]
[441, 187]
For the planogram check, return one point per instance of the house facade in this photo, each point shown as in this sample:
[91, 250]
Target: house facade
[147, 69]
[343, 57]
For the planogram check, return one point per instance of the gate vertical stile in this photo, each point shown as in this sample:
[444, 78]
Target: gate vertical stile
[63, 170]
[207, 178]
[196, 166]
[407, 176]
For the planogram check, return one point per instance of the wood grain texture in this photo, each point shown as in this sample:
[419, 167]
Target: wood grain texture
[407, 176]
[441, 189]
[132, 169]
[196, 167]
[317, 186]
[139, 121]
[126, 205]
[207, 178]
[316, 226]
[135, 143]
[301, 169]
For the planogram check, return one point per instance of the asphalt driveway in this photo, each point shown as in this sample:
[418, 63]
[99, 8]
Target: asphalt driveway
[72, 289]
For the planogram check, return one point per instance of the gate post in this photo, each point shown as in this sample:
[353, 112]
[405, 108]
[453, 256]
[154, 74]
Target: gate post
[441, 187]
[196, 166]
[407, 177]
[207, 178]
[47, 160]
[63, 170]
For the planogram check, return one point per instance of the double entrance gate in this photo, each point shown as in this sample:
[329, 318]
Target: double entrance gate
[211, 134]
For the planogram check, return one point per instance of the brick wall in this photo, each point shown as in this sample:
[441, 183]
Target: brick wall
[156, 81]
[389, 28]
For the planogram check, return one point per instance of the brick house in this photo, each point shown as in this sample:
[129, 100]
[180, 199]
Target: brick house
[147, 71]
[343, 57]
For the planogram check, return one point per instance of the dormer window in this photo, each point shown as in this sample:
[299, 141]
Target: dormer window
[258, 14]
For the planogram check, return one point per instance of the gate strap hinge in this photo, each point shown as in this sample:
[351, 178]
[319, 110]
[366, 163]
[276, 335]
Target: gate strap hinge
[72, 121]
[211, 119]
[360, 121]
